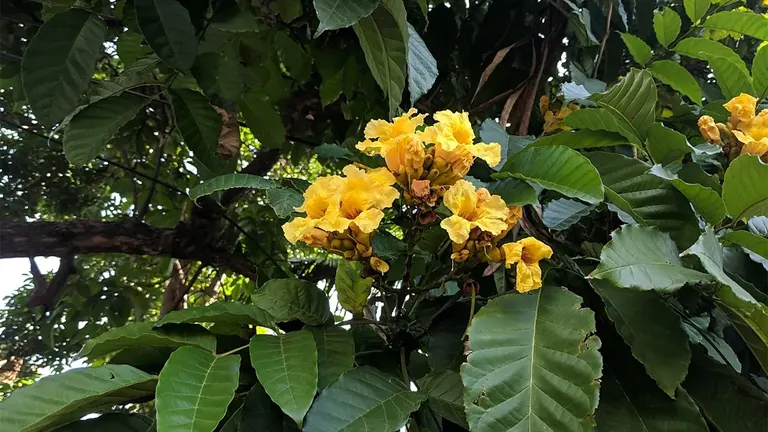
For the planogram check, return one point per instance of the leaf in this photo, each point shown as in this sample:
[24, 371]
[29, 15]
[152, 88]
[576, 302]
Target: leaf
[560, 214]
[744, 22]
[633, 100]
[513, 192]
[533, 363]
[666, 145]
[363, 399]
[168, 29]
[387, 246]
[634, 404]
[696, 9]
[111, 421]
[219, 313]
[336, 14]
[284, 201]
[237, 21]
[194, 389]
[727, 399]
[293, 58]
[760, 72]
[422, 67]
[732, 80]
[59, 62]
[653, 331]
[558, 168]
[259, 414]
[129, 47]
[701, 48]
[141, 334]
[335, 354]
[61, 398]
[639, 50]
[604, 120]
[677, 77]
[353, 290]
[648, 199]
[286, 366]
[644, 258]
[492, 132]
[384, 38]
[743, 194]
[705, 200]
[200, 126]
[293, 299]
[332, 151]
[91, 128]
[444, 392]
[230, 181]
[218, 74]
[581, 139]
[666, 24]
[263, 120]
[748, 240]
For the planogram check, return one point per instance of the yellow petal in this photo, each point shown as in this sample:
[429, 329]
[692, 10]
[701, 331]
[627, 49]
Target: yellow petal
[709, 130]
[757, 128]
[492, 215]
[490, 153]
[369, 147]
[528, 277]
[369, 220]
[298, 228]
[756, 148]
[377, 128]
[742, 108]
[534, 250]
[457, 227]
[513, 253]
[382, 176]
[461, 198]
[379, 265]
[334, 224]
[515, 214]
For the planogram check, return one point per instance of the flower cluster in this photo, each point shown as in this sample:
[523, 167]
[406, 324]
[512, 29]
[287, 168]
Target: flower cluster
[745, 132]
[553, 117]
[428, 163]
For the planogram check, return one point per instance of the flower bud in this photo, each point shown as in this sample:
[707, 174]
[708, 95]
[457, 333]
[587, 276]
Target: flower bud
[379, 265]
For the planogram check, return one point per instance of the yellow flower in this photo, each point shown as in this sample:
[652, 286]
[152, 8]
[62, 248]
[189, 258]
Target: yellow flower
[526, 253]
[757, 127]
[321, 202]
[397, 143]
[543, 103]
[403, 125]
[742, 109]
[473, 209]
[751, 145]
[379, 265]
[709, 130]
[452, 134]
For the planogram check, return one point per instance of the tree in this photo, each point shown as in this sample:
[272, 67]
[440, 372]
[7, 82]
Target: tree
[376, 214]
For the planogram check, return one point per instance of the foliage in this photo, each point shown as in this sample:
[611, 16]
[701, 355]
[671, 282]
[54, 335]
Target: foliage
[374, 214]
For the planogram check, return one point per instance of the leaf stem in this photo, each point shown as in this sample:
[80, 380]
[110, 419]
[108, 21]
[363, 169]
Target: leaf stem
[472, 300]
[233, 351]
[404, 367]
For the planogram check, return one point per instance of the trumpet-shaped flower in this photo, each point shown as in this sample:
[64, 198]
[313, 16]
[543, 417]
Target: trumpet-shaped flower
[526, 253]
[756, 127]
[751, 145]
[453, 134]
[403, 125]
[708, 129]
[742, 109]
[473, 209]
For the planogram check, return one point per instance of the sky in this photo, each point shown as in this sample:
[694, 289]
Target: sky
[14, 271]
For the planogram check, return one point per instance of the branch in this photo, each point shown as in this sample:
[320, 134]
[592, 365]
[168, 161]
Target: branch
[25, 239]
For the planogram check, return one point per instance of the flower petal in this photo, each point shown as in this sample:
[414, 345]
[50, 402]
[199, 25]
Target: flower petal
[490, 153]
[457, 227]
[298, 228]
[528, 277]
[369, 220]
[513, 253]
[461, 198]
[534, 250]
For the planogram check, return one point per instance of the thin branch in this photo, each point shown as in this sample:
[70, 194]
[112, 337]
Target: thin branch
[605, 39]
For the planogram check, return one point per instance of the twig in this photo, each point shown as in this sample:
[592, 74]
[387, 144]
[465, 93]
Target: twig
[605, 39]
[233, 351]
[404, 366]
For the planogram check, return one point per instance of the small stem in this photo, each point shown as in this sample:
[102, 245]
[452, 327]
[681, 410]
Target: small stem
[472, 300]
[404, 367]
[605, 38]
[233, 351]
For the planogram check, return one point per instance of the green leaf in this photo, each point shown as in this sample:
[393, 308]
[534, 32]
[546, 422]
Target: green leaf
[492, 132]
[194, 389]
[237, 21]
[230, 181]
[648, 199]
[602, 119]
[558, 168]
[422, 67]
[218, 74]
[62, 398]
[283, 201]
[141, 334]
[732, 80]
[219, 313]
[111, 421]
[748, 240]
[705, 200]
[634, 404]
[336, 14]
[259, 413]
[743, 193]
[639, 50]
[200, 126]
[353, 290]
[384, 38]
[644, 258]
[727, 399]
[292, 56]
[263, 120]
[293, 299]
[387, 246]
[91, 128]
[702, 49]
[513, 191]
[332, 151]
[560, 214]
[168, 29]
[533, 364]
[677, 77]
[335, 354]
[60, 62]
[666, 145]
[129, 47]
[633, 101]
[744, 22]
[581, 139]
[363, 399]
[653, 331]
[696, 9]
[286, 366]
[444, 393]
[288, 10]
[760, 72]
[666, 24]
